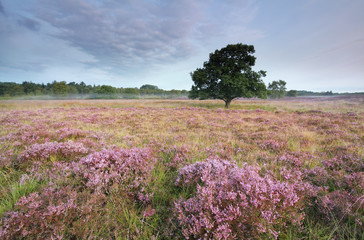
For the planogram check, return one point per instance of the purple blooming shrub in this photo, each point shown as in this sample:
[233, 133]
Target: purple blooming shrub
[81, 135]
[236, 203]
[345, 161]
[51, 214]
[6, 157]
[340, 205]
[43, 152]
[128, 169]
[27, 134]
[67, 132]
[272, 145]
[221, 151]
[175, 157]
[294, 159]
[341, 179]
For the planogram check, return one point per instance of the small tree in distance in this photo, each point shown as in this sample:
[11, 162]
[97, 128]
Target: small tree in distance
[228, 75]
[277, 89]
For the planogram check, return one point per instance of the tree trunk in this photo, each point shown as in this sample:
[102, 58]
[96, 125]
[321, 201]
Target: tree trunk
[227, 103]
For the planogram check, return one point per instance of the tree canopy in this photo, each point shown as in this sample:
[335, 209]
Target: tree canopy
[277, 89]
[228, 75]
[291, 93]
[149, 87]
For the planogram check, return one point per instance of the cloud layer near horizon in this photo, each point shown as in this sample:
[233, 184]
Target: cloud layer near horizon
[129, 43]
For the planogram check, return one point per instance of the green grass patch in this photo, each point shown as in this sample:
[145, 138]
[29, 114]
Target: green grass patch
[12, 190]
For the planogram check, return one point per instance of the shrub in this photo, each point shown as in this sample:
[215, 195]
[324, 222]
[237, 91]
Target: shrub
[44, 151]
[175, 157]
[236, 203]
[341, 181]
[128, 169]
[50, 214]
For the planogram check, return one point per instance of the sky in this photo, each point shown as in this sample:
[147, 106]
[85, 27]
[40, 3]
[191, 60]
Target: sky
[315, 45]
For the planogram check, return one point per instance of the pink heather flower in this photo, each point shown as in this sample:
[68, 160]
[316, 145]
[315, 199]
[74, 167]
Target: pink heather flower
[130, 169]
[228, 198]
[44, 151]
[149, 212]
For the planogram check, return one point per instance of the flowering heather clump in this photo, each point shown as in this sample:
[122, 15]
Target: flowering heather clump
[341, 205]
[27, 134]
[67, 132]
[294, 159]
[221, 151]
[6, 158]
[272, 145]
[236, 203]
[175, 156]
[129, 169]
[44, 151]
[73, 133]
[344, 161]
[200, 172]
[342, 181]
[46, 215]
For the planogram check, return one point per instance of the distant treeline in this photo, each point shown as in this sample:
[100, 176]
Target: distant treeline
[81, 90]
[327, 93]
[62, 89]
[310, 93]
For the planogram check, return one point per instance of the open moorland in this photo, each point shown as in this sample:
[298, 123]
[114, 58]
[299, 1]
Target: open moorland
[182, 169]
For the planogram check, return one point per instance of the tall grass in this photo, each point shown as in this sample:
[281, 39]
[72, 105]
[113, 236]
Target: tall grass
[12, 189]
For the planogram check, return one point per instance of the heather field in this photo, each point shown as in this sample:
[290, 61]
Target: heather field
[182, 169]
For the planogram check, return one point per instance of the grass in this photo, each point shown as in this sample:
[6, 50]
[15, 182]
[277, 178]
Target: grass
[12, 190]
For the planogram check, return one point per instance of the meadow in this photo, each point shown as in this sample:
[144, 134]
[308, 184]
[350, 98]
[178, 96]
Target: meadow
[182, 169]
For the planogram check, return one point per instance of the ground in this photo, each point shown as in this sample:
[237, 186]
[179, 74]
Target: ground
[134, 169]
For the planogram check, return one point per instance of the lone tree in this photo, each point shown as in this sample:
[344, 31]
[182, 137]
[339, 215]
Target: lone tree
[277, 89]
[228, 75]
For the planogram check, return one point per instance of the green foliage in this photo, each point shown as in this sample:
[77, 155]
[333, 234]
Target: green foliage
[12, 189]
[228, 75]
[105, 89]
[277, 89]
[11, 89]
[148, 87]
[60, 88]
[310, 93]
[291, 93]
[131, 91]
[29, 90]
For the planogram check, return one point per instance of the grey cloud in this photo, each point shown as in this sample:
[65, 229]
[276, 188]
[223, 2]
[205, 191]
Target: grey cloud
[2, 8]
[118, 30]
[29, 23]
[131, 32]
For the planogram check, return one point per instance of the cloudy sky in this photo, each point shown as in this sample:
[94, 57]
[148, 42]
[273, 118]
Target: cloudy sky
[313, 45]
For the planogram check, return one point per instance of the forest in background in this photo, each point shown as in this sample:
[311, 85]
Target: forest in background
[82, 90]
[62, 89]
